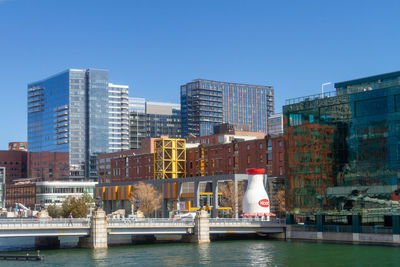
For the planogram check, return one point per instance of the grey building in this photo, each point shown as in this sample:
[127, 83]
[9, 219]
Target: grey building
[275, 124]
[78, 111]
[152, 119]
[205, 103]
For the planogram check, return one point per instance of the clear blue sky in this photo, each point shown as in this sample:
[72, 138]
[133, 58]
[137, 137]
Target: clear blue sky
[155, 46]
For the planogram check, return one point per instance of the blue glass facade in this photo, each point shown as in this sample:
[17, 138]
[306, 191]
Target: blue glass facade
[343, 150]
[69, 112]
[205, 103]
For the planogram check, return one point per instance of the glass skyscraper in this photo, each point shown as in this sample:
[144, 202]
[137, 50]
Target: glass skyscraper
[73, 112]
[342, 149]
[205, 103]
[153, 119]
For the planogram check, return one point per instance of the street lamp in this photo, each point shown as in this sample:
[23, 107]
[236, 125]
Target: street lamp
[322, 88]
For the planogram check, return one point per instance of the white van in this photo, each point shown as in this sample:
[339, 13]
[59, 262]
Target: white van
[189, 216]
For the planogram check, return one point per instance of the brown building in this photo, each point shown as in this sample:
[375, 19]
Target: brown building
[18, 146]
[113, 166]
[201, 160]
[15, 163]
[236, 157]
[48, 166]
[22, 192]
[132, 168]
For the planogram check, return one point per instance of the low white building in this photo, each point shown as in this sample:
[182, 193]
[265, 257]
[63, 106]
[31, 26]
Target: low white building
[56, 192]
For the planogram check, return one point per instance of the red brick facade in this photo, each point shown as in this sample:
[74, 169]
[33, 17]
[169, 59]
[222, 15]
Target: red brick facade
[132, 168]
[15, 163]
[48, 166]
[236, 157]
[24, 193]
[230, 158]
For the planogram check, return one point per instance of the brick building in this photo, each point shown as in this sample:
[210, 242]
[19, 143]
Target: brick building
[18, 146]
[236, 156]
[48, 166]
[112, 165]
[132, 168]
[23, 192]
[15, 163]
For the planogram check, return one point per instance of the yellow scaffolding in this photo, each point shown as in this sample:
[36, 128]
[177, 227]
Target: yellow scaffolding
[201, 159]
[169, 158]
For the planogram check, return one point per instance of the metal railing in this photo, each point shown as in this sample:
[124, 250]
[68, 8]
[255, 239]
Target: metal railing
[338, 228]
[150, 222]
[245, 221]
[304, 227]
[376, 230]
[31, 223]
[309, 98]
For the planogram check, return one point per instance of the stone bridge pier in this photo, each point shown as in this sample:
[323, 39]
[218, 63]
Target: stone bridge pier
[98, 232]
[201, 232]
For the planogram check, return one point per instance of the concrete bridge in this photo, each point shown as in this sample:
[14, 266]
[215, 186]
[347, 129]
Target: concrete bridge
[93, 232]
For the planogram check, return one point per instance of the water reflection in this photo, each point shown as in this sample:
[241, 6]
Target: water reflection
[261, 254]
[100, 257]
[204, 253]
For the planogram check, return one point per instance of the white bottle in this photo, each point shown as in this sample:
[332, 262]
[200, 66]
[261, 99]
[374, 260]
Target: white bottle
[256, 200]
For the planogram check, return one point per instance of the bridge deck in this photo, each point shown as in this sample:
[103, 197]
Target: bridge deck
[81, 227]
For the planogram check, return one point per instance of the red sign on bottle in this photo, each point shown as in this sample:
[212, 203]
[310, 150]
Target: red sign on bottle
[264, 203]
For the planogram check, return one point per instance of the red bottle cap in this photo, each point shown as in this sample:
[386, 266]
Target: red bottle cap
[255, 171]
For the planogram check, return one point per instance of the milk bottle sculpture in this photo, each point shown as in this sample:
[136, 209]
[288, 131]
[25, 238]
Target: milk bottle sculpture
[256, 200]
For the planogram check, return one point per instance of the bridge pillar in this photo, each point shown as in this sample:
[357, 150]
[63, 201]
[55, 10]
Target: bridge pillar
[98, 232]
[201, 232]
[47, 242]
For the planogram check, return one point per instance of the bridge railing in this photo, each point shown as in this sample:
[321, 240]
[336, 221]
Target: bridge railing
[150, 221]
[31, 223]
[245, 221]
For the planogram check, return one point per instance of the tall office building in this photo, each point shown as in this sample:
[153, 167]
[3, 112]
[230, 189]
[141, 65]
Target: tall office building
[77, 111]
[205, 103]
[153, 119]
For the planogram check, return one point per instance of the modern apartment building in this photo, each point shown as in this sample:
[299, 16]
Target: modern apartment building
[152, 119]
[342, 149]
[118, 117]
[78, 111]
[205, 103]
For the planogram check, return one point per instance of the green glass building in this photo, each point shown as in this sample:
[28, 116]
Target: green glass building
[342, 149]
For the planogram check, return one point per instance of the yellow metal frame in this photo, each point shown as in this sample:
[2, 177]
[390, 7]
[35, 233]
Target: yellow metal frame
[169, 158]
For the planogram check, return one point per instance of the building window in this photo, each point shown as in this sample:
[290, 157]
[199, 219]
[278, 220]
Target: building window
[261, 145]
[248, 147]
[248, 159]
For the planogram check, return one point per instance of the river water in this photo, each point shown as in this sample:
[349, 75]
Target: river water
[218, 253]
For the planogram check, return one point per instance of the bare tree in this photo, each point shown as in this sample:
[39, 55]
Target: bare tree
[228, 196]
[148, 198]
[280, 202]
